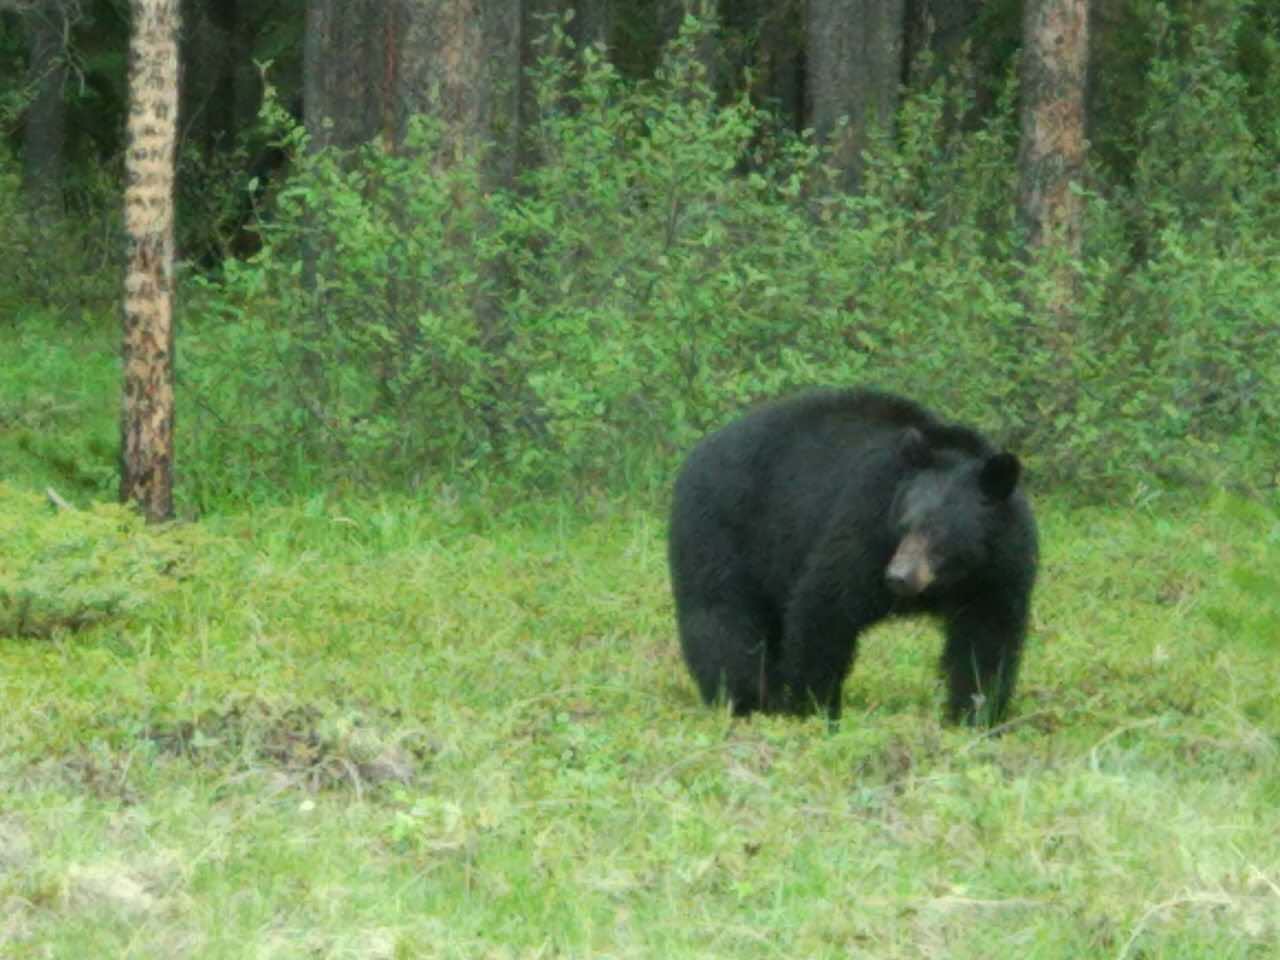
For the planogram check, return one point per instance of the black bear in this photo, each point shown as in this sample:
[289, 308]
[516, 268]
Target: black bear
[798, 526]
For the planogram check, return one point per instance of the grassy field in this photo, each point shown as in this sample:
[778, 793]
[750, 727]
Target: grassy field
[444, 728]
[410, 730]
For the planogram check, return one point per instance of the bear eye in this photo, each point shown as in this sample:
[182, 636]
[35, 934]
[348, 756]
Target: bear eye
[969, 558]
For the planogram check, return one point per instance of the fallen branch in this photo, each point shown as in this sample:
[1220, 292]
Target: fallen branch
[56, 499]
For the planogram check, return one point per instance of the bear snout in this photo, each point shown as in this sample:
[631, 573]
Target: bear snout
[909, 572]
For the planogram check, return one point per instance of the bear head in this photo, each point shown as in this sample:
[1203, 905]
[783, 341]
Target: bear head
[943, 514]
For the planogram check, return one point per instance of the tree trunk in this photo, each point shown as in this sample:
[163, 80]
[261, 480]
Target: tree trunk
[941, 27]
[854, 69]
[348, 71]
[46, 117]
[147, 416]
[460, 63]
[1052, 155]
[592, 22]
[780, 62]
[708, 51]
[348, 66]
[220, 80]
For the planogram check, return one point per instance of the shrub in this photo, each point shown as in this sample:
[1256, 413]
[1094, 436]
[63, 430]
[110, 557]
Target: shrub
[668, 260]
[65, 569]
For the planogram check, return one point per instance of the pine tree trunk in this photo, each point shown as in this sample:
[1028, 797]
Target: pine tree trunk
[220, 85]
[347, 93]
[46, 118]
[854, 70]
[459, 62]
[592, 22]
[942, 27]
[147, 416]
[780, 56]
[1052, 156]
[348, 98]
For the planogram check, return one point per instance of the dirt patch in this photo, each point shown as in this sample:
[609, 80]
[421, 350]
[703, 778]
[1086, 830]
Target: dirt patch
[102, 775]
[110, 887]
[15, 922]
[16, 849]
[309, 748]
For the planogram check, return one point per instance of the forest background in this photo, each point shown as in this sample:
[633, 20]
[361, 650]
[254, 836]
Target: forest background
[578, 258]
[458, 283]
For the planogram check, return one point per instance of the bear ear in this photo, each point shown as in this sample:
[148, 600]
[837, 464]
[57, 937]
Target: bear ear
[915, 448]
[999, 476]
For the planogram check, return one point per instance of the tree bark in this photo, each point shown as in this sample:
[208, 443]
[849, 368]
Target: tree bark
[460, 63]
[46, 24]
[592, 22]
[1052, 154]
[941, 27]
[780, 60]
[854, 69]
[349, 63]
[220, 80]
[147, 416]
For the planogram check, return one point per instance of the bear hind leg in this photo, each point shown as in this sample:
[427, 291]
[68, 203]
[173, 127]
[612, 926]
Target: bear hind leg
[732, 654]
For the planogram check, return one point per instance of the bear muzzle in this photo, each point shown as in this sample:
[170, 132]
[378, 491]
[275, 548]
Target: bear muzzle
[909, 573]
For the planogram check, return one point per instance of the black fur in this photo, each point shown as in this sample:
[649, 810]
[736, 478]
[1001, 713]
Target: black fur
[803, 523]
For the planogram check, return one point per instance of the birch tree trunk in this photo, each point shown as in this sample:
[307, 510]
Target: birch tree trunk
[147, 416]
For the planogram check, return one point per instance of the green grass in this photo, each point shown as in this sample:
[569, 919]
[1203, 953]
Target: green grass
[443, 727]
[411, 729]
[59, 404]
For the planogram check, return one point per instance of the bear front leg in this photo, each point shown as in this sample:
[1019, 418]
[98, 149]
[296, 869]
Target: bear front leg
[981, 659]
[818, 646]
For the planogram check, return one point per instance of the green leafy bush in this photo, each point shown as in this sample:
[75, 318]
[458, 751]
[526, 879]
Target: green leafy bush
[58, 266]
[669, 259]
[64, 569]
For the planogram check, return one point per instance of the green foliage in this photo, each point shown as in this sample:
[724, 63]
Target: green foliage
[59, 404]
[11, 210]
[65, 569]
[667, 260]
[1181, 337]
[352, 330]
[1199, 99]
[212, 198]
[55, 267]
